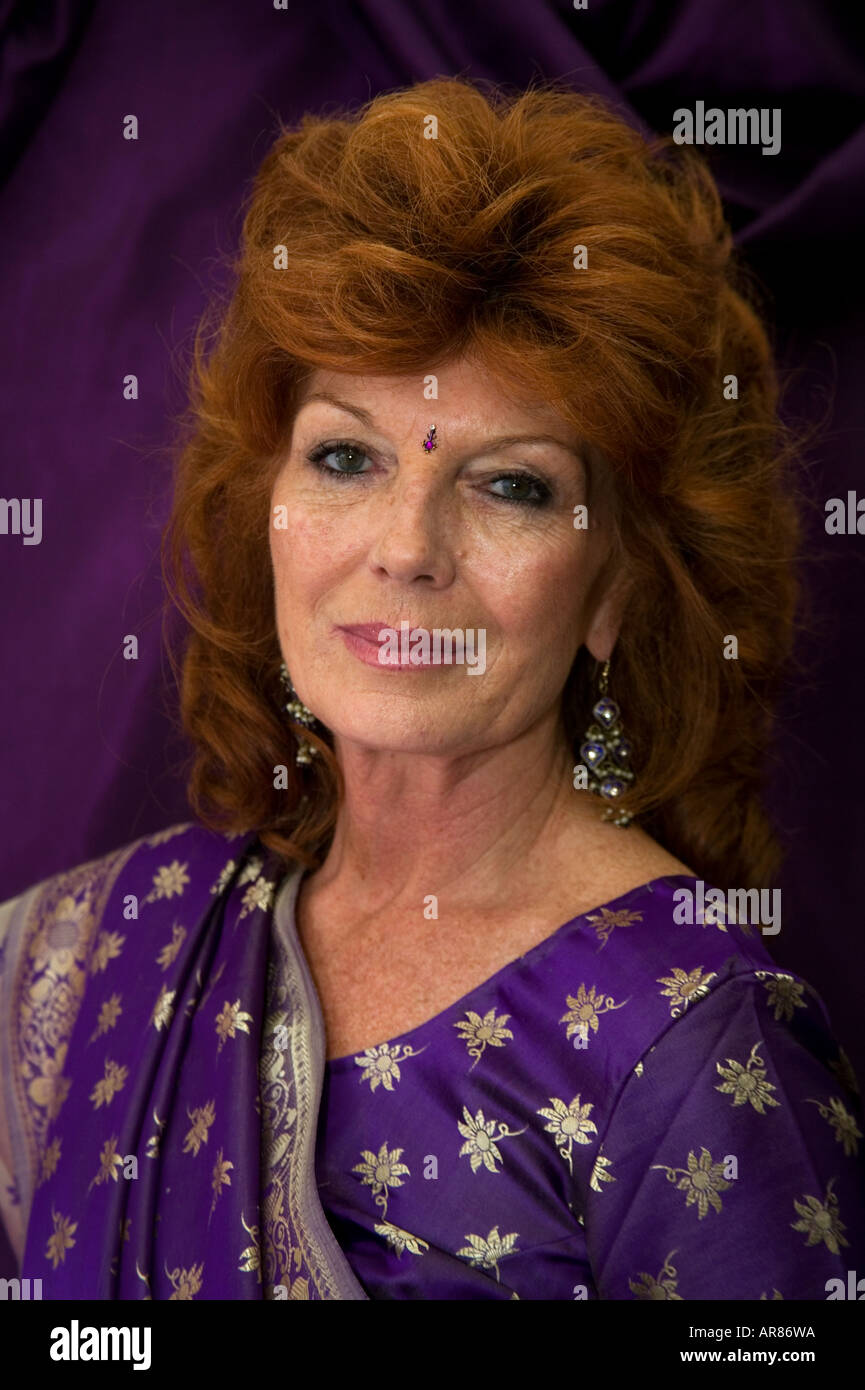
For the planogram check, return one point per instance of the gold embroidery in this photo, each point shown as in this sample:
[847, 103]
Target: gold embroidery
[381, 1064]
[820, 1221]
[399, 1240]
[606, 921]
[785, 993]
[479, 1033]
[109, 945]
[486, 1254]
[584, 1010]
[163, 836]
[230, 1021]
[225, 877]
[482, 1140]
[702, 1180]
[664, 1287]
[50, 1159]
[202, 1118]
[163, 1008]
[684, 988]
[258, 895]
[748, 1083]
[250, 1258]
[220, 1178]
[152, 1150]
[185, 1282]
[168, 955]
[113, 1081]
[108, 1016]
[847, 1132]
[109, 1161]
[775, 1296]
[61, 1239]
[169, 881]
[570, 1124]
[599, 1173]
[381, 1172]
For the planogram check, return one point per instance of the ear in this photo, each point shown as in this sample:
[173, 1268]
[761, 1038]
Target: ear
[605, 625]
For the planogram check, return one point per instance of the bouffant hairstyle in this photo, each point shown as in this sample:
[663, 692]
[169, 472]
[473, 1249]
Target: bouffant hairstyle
[446, 219]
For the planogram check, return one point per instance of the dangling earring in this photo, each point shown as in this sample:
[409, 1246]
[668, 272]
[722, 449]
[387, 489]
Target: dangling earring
[306, 751]
[606, 752]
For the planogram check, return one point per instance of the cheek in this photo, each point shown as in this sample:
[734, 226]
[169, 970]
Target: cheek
[536, 587]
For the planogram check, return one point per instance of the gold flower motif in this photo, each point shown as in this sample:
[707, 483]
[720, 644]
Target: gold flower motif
[570, 1124]
[479, 1033]
[382, 1172]
[202, 1118]
[230, 1021]
[168, 955]
[163, 1008]
[109, 944]
[486, 1254]
[109, 1162]
[61, 1238]
[250, 1258]
[684, 988]
[820, 1221]
[748, 1083]
[482, 1140]
[381, 1064]
[152, 1150]
[251, 871]
[702, 1180]
[606, 921]
[57, 942]
[847, 1132]
[785, 993]
[225, 877]
[220, 1178]
[662, 1288]
[258, 895]
[50, 1159]
[399, 1240]
[169, 881]
[185, 1282]
[584, 1009]
[113, 1081]
[775, 1296]
[50, 1090]
[108, 1016]
[599, 1173]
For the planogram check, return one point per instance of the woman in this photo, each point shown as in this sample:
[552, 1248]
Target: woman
[484, 538]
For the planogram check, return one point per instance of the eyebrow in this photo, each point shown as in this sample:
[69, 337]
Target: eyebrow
[501, 441]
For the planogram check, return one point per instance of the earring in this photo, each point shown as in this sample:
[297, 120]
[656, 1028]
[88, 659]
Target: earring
[297, 711]
[606, 752]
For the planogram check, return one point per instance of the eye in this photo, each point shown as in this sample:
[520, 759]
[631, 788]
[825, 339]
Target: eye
[523, 488]
[349, 459]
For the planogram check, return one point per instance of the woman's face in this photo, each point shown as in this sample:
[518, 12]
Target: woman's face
[371, 531]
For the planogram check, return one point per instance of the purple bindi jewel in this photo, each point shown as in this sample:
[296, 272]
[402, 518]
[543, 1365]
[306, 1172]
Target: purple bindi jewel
[430, 441]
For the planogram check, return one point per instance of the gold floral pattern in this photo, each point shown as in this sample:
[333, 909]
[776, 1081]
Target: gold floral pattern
[683, 987]
[168, 955]
[202, 1118]
[570, 1124]
[250, 1258]
[220, 1178]
[61, 1238]
[600, 1174]
[169, 881]
[608, 919]
[185, 1282]
[662, 1288]
[747, 1084]
[399, 1240]
[381, 1064]
[486, 1254]
[847, 1132]
[225, 877]
[109, 1162]
[585, 1008]
[479, 1033]
[382, 1171]
[482, 1137]
[109, 1013]
[113, 1081]
[785, 993]
[50, 1159]
[152, 1150]
[163, 1008]
[231, 1021]
[820, 1221]
[109, 945]
[702, 1180]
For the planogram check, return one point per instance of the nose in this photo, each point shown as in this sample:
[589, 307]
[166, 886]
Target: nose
[411, 538]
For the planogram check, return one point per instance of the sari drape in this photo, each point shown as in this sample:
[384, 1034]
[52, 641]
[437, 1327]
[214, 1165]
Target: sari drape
[167, 1055]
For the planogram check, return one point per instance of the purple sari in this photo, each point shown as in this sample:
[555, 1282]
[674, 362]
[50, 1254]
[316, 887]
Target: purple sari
[639, 1107]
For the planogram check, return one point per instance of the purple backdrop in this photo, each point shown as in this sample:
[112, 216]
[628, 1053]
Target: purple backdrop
[107, 251]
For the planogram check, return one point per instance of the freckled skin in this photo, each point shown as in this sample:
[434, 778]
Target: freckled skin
[456, 785]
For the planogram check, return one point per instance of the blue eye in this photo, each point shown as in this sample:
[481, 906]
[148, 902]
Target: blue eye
[523, 488]
[350, 454]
